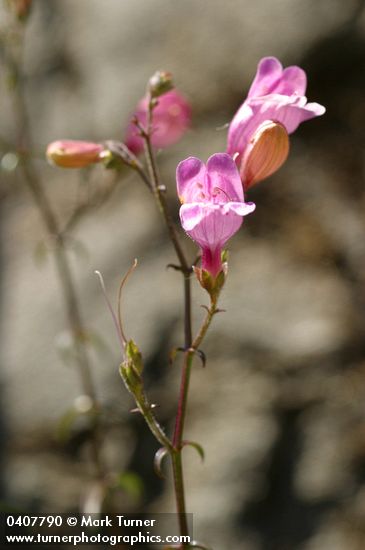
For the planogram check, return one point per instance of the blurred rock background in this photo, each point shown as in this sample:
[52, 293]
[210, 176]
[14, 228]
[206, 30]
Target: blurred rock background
[280, 407]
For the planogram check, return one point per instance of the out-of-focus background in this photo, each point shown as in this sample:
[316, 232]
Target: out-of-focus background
[280, 407]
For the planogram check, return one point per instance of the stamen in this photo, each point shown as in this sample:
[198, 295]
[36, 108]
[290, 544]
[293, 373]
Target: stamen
[220, 191]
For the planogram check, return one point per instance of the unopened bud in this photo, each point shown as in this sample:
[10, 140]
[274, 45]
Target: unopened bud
[134, 355]
[267, 151]
[160, 83]
[131, 378]
[73, 153]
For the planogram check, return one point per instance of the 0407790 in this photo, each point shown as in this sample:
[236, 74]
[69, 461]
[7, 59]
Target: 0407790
[31, 521]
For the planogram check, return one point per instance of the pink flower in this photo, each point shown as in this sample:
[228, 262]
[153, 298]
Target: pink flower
[276, 95]
[171, 118]
[69, 153]
[212, 205]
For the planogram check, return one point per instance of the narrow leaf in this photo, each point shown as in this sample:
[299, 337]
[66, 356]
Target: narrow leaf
[200, 353]
[157, 463]
[197, 447]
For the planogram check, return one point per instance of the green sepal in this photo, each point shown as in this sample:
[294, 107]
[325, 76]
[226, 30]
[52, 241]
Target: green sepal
[219, 282]
[213, 285]
[224, 256]
[112, 161]
[207, 281]
[131, 378]
[134, 355]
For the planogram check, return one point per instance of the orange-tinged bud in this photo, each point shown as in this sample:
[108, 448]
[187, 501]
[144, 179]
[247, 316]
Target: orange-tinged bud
[267, 151]
[74, 154]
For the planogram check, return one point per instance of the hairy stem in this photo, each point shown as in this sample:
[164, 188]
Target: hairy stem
[186, 371]
[160, 196]
[159, 193]
[154, 426]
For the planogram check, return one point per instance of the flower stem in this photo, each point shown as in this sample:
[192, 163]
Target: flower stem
[186, 270]
[180, 493]
[180, 419]
[162, 203]
[211, 311]
[190, 345]
[185, 379]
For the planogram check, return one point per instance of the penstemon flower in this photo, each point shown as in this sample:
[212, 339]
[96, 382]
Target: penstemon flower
[277, 97]
[171, 119]
[213, 205]
[69, 153]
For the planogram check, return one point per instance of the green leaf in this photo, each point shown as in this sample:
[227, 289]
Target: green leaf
[159, 456]
[197, 447]
[224, 256]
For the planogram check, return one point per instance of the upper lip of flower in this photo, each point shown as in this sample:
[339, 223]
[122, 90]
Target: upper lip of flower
[276, 94]
[217, 182]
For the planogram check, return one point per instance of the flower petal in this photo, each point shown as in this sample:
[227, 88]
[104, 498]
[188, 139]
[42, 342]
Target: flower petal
[223, 176]
[191, 215]
[242, 126]
[215, 227]
[290, 111]
[190, 178]
[239, 208]
[212, 225]
[265, 153]
[293, 81]
[171, 118]
[269, 71]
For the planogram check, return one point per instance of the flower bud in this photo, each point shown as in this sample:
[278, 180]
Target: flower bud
[160, 83]
[134, 355]
[131, 369]
[267, 151]
[73, 153]
[131, 378]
